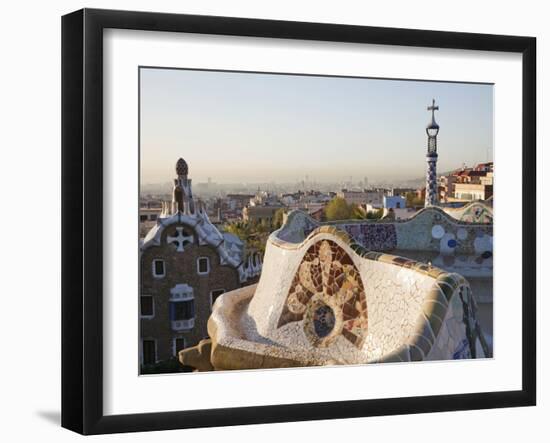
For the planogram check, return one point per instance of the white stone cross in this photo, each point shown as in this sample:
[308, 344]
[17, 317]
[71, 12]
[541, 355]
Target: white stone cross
[180, 239]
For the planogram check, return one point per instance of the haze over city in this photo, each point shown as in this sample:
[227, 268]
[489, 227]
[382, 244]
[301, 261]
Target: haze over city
[257, 128]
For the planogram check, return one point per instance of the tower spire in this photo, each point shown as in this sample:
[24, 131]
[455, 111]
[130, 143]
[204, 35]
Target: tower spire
[432, 129]
[182, 195]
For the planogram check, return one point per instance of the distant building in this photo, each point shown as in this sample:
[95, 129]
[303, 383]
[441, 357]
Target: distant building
[260, 214]
[467, 184]
[148, 218]
[394, 202]
[149, 214]
[314, 210]
[372, 197]
[401, 192]
[263, 198]
[312, 197]
[238, 201]
[185, 264]
[485, 167]
[447, 183]
[472, 191]
[487, 179]
[289, 199]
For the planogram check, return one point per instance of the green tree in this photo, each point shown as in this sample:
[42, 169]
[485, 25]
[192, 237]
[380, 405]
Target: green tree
[278, 217]
[337, 209]
[357, 212]
[376, 214]
[240, 229]
[254, 235]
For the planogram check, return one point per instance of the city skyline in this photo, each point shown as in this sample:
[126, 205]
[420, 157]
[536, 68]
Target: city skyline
[256, 128]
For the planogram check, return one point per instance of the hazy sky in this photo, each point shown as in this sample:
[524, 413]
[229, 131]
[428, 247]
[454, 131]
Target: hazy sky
[244, 127]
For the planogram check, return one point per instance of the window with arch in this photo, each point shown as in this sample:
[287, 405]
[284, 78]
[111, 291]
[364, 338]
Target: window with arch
[203, 265]
[159, 268]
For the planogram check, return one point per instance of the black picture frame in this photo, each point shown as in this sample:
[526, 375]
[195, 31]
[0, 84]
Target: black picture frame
[82, 218]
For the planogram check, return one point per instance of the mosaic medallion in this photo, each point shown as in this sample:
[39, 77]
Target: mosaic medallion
[477, 213]
[328, 295]
[438, 231]
[323, 320]
[462, 234]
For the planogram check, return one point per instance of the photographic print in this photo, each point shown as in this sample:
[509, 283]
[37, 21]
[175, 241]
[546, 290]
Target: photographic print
[293, 220]
[315, 207]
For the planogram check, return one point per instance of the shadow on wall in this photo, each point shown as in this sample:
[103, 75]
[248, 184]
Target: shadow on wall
[54, 417]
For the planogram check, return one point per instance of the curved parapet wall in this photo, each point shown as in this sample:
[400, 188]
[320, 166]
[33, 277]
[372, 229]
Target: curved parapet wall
[475, 212]
[431, 229]
[327, 300]
[430, 235]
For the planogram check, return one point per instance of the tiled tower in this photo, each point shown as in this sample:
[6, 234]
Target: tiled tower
[182, 195]
[432, 129]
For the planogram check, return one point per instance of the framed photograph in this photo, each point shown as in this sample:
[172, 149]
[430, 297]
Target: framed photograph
[269, 221]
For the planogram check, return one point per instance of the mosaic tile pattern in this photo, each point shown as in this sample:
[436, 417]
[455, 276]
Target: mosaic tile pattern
[460, 336]
[415, 311]
[476, 212]
[431, 229]
[328, 295]
[374, 236]
[431, 180]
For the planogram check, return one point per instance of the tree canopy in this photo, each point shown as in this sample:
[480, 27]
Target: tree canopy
[376, 214]
[253, 234]
[278, 218]
[338, 209]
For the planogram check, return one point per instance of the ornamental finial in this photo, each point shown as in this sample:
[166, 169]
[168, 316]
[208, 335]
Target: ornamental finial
[181, 167]
[433, 108]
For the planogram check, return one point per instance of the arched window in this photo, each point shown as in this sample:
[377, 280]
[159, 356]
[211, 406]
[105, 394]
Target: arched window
[159, 268]
[203, 265]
